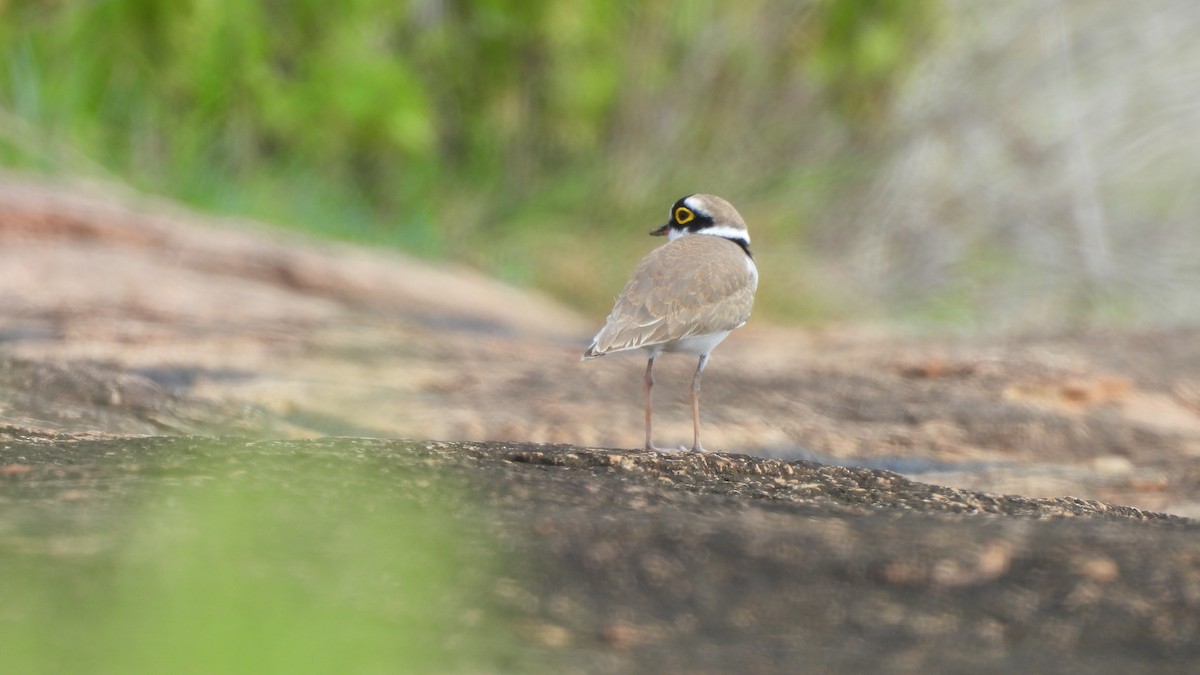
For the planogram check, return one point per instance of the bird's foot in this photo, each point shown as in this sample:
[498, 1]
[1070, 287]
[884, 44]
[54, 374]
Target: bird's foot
[695, 448]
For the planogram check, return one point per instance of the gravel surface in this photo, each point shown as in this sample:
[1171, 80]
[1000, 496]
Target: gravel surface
[670, 562]
[863, 515]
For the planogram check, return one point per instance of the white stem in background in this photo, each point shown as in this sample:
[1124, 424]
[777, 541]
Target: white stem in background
[1090, 223]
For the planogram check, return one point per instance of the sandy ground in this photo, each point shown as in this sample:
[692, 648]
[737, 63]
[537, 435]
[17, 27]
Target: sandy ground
[666, 562]
[280, 336]
[132, 332]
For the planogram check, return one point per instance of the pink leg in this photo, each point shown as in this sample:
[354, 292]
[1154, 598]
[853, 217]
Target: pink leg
[647, 384]
[696, 447]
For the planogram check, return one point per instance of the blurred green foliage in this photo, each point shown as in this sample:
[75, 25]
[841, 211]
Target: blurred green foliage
[863, 50]
[534, 140]
[246, 562]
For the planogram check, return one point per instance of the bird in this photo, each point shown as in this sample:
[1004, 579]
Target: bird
[684, 296]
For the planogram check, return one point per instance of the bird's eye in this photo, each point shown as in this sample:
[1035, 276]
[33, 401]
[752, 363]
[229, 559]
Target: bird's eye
[684, 215]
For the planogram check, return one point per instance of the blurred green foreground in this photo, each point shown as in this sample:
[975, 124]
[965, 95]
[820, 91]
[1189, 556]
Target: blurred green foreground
[206, 559]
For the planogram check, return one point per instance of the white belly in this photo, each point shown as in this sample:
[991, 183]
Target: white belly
[697, 344]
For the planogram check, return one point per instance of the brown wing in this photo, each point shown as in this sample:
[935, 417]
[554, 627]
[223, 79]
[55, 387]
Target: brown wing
[695, 285]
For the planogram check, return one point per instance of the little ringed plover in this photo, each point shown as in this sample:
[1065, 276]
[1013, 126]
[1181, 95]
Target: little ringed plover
[686, 295]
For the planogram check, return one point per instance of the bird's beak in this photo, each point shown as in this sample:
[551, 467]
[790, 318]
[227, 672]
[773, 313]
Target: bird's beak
[660, 232]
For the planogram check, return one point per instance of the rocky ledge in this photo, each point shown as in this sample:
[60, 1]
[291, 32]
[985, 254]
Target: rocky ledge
[634, 561]
[132, 332]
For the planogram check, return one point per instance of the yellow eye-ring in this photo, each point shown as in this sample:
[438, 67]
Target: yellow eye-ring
[684, 215]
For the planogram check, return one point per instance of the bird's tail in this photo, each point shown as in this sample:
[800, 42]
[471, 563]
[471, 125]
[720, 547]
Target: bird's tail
[591, 353]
